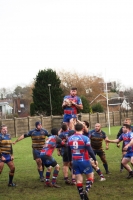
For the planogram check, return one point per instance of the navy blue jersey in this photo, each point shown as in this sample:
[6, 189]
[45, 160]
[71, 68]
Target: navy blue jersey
[97, 139]
[5, 143]
[38, 138]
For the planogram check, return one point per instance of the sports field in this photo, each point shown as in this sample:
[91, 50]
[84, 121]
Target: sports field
[29, 187]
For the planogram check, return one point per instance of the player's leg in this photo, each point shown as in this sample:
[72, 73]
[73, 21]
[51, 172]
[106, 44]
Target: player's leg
[65, 171]
[97, 169]
[103, 159]
[66, 119]
[55, 174]
[79, 178]
[36, 156]
[88, 171]
[66, 165]
[125, 162]
[89, 176]
[73, 182]
[72, 121]
[79, 184]
[11, 173]
[1, 166]
[40, 168]
[48, 173]
[51, 162]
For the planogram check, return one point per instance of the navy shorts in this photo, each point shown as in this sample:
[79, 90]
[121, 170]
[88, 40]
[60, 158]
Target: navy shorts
[36, 154]
[128, 155]
[7, 157]
[82, 167]
[100, 153]
[67, 117]
[48, 160]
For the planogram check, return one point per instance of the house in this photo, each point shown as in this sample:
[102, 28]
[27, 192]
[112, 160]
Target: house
[21, 107]
[115, 102]
[5, 109]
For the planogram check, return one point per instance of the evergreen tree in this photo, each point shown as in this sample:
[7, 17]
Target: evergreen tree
[42, 93]
[97, 108]
[86, 105]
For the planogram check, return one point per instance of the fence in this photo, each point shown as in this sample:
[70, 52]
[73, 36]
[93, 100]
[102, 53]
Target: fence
[19, 126]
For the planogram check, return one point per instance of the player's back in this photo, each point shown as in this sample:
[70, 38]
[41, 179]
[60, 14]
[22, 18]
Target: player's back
[49, 146]
[78, 143]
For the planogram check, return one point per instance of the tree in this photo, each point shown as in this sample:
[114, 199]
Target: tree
[86, 105]
[32, 109]
[4, 92]
[88, 86]
[97, 108]
[41, 93]
[18, 90]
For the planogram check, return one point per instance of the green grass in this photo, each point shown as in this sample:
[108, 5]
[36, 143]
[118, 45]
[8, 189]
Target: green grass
[29, 186]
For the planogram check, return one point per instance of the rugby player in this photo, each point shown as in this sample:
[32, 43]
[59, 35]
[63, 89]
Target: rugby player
[38, 136]
[6, 154]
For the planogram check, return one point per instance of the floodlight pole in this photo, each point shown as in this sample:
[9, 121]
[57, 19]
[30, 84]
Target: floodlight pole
[49, 85]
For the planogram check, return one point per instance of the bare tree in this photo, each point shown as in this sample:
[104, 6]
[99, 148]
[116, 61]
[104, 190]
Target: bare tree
[88, 86]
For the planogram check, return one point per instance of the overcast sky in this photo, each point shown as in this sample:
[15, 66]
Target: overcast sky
[94, 37]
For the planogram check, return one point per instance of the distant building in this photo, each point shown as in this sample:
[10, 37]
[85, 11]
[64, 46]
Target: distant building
[115, 102]
[5, 109]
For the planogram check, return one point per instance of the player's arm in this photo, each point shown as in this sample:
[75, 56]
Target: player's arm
[59, 132]
[64, 104]
[112, 141]
[12, 157]
[91, 152]
[78, 106]
[60, 142]
[106, 143]
[20, 138]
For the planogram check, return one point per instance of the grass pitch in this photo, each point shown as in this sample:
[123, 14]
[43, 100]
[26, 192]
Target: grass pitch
[29, 186]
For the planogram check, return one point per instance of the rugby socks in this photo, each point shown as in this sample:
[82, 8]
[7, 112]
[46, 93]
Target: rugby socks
[66, 178]
[121, 166]
[43, 167]
[40, 173]
[80, 189]
[47, 177]
[11, 175]
[106, 167]
[73, 181]
[99, 173]
[55, 174]
[89, 183]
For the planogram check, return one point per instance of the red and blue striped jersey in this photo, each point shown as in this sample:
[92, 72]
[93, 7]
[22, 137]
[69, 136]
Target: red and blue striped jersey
[127, 137]
[50, 145]
[72, 109]
[78, 144]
